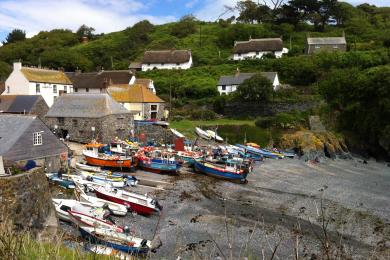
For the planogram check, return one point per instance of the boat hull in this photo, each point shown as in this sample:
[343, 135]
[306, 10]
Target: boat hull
[128, 249]
[158, 167]
[140, 209]
[199, 166]
[125, 163]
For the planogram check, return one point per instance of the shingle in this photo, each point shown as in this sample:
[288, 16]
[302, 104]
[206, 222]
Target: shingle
[167, 56]
[11, 128]
[85, 106]
[238, 79]
[254, 45]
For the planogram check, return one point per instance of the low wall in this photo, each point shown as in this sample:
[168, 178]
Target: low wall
[155, 132]
[25, 200]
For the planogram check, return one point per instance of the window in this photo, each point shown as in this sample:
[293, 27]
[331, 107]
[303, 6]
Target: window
[177, 64]
[37, 88]
[74, 122]
[153, 107]
[257, 53]
[317, 47]
[239, 54]
[76, 90]
[101, 90]
[54, 88]
[335, 47]
[162, 64]
[223, 87]
[8, 91]
[37, 138]
[61, 121]
[87, 90]
[65, 89]
[54, 99]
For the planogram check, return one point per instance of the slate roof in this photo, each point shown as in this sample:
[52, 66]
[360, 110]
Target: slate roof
[101, 79]
[85, 106]
[327, 40]
[18, 103]
[45, 75]
[11, 128]
[135, 93]
[167, 56]
[241, 77]
[254, 45]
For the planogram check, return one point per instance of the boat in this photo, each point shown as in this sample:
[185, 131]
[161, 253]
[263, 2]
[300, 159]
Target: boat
[201, 133]
[119, 241]
[228, 172]
[214, 136]
[158, 161]
[84, 220]
[64, 181]
[93, 157]
[108, 251]
[63, 206]
[114, 208]
[141, 204]
[253, 145]
[89, 168]
[259, 152]
[118, 182]
[189, 157]
[177, 133]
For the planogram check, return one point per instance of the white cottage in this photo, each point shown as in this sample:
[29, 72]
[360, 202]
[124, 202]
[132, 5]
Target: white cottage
[50, 84]
[256, 48]
[168, 59]
[230, 83]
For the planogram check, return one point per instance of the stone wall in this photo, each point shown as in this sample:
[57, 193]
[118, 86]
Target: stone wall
[106, 128]
[250, 109]
[25, 200]
[160, 111]
[155, 133]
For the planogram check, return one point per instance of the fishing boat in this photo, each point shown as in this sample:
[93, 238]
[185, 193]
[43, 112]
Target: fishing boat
[103, 180]
[116, 240]
[93, 157]
[84, 220]
[63, 206]
[213, 135]
[177, 133]
[89, 168]
[62, 181]
[141, 204]
[158, 161]
[114, 208]
[201, 133]
[259, 152]
[189, 157]
[228, 171]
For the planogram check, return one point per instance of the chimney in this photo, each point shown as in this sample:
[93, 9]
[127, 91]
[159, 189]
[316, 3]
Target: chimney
[237, 72]
[17, 65]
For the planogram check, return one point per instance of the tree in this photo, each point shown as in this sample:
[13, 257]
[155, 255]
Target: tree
[15, 36]
[186, 26]
[84, 30]
[255, 89]
[247, 10]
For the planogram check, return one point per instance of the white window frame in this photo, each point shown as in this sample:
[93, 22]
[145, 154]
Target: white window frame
[55, 89]
[38, 88]
[37, 138]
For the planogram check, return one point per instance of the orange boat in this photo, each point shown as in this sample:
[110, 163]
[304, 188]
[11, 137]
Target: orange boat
[93, 157]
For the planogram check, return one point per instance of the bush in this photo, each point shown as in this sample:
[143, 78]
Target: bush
[203, 115]
[264, 122]
[185, 27]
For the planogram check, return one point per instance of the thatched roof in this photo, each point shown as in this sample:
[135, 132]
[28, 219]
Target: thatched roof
[167, 56]
[254, 45]
[101, 79]
[135, 93]
[45, 76]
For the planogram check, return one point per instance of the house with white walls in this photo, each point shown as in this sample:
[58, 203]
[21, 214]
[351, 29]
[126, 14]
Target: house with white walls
[230, 83]
[50, 84]
[166, 59]
[257, 48]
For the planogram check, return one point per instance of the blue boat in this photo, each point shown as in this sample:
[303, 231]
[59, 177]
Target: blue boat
[259, 152]
[63, 181]
[118, 241]
[158, 165]
[228, 172]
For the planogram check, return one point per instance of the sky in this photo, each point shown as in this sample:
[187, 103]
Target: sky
[33, 16]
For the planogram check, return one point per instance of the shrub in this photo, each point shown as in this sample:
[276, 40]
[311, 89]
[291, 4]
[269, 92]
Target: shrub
[264, 122]
[203, 115]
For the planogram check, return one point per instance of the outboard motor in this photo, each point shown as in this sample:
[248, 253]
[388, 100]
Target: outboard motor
[89, 178]
[158, 205]
[144, 243]
[85, 188]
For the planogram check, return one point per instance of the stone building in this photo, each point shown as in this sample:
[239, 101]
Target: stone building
[83, 117]
[24, 138]
[24, 104]
[140, 99]
[325, 44]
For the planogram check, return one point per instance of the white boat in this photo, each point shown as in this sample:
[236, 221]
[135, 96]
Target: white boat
[214, 136]
[108, 251]
[63, 206]
[177, 133]
[202, 134]
[114, 208]
[84, 220]
[89, 168]
[117, 182]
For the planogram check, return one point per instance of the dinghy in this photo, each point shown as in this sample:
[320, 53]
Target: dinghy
[177, 133]
[213, 135]
[202, 134]
[63, 206]
[228, 171]
[141, 204]
[103, 179]
[119, 241]
[89, 168]
[64, 181]
[84, 220]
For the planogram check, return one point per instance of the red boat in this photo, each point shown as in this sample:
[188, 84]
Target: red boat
[93, 157]
[141, 204]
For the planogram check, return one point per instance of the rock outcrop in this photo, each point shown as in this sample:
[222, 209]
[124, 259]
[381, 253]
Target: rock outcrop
[314, 145]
